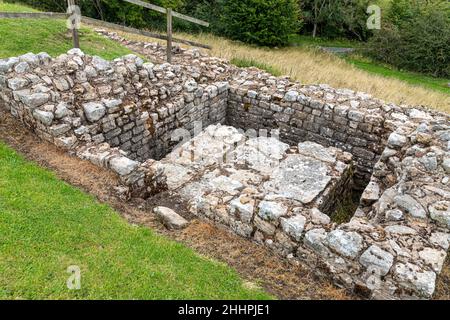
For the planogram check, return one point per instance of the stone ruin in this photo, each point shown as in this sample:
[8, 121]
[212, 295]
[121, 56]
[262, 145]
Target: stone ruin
[263, 156]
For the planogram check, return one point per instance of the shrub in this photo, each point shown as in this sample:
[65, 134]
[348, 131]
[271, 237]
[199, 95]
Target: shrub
[417, 42]
[262, 22]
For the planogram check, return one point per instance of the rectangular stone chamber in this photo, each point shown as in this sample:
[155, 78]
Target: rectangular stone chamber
[259, 187]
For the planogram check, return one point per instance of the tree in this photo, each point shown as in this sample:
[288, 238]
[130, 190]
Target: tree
[262, 22]
[415, 37]
[336, 18]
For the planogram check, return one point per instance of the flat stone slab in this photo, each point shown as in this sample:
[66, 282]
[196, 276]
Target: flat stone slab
[257, 183]
[170, 218]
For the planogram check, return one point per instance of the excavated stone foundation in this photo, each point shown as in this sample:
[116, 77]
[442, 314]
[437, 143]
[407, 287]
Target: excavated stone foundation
[263, 156]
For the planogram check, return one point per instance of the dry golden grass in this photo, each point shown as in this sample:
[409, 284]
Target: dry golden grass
[311, 66]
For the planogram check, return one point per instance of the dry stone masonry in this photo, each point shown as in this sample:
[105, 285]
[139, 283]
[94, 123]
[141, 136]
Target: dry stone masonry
[263, 156]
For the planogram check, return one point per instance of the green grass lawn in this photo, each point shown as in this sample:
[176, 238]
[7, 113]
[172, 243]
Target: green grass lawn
[46, 226]
[19, 36]
[14, 7]
[437, 84]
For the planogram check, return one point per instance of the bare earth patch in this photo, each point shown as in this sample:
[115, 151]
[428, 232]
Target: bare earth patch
[254, 263]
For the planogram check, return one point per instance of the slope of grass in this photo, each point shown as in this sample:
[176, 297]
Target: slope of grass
[19, 36]
[438, 84]
[14, 7]
[246, 63]
[47, 226]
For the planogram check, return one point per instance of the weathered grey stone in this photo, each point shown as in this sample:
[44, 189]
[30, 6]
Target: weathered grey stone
[66, 142]
[433, 257]
[244, 207]
[7, 64]
[94, 111]
[396, 140]
[17, 83]
[61, 110]
[59, 129]
[35, 100]
[299, 177]
[22, 67]
[400, 230]
[394, 215]
[291, 96]
[264, 226]
[318, 217]
[413, 278]
[446, 165]
[371, 193]
[30, 58]
[317, 151]
[44, 117]
[123, 165]
[429, 161]
[270, 210]
[170, 218]
[349, 244]
[315, 239]
[294, 226]
[440, 212]
[100, 64]
[440, 239]
[191, 85]
[411, 205]
[76, 52]
[378, 260]
[112, 105]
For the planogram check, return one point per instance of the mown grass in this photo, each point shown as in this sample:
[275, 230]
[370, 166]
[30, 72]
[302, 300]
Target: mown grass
[14, 7]
[438, 84]
[47, 226]
[19, 36]
[36, 35]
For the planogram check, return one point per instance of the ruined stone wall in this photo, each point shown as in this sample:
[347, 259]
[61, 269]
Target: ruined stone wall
[351, 121]
[121, 114]
[127, 107]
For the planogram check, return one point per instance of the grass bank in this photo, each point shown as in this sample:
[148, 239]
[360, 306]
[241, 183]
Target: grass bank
[19, 36]
[47, 226]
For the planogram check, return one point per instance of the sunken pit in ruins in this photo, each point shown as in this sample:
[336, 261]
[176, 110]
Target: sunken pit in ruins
[268, 159]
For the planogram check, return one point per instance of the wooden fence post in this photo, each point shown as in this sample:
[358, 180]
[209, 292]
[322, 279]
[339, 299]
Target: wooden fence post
[76, 39]
[169, 35]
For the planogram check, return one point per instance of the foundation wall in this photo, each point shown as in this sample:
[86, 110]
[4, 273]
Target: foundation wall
[121, 115]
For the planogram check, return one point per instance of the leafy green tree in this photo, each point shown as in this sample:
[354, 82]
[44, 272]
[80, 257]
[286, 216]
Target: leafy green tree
[262, 22]
[336, 18]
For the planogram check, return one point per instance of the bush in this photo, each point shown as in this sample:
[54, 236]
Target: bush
[262, 22]
[416, 39]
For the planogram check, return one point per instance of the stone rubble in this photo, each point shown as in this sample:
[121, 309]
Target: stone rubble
[170, 218]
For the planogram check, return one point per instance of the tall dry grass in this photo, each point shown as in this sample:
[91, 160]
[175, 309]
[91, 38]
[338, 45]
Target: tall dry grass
[311, 66]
